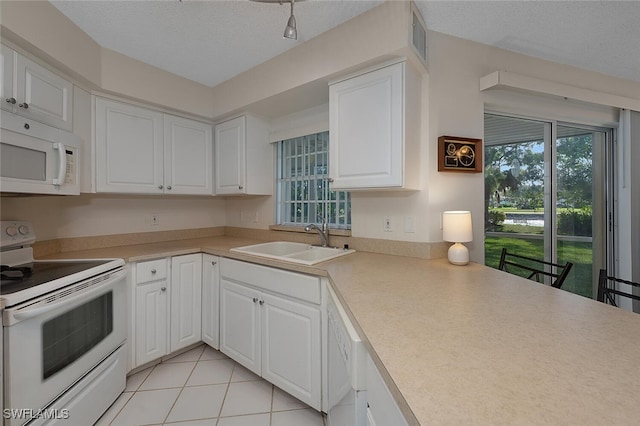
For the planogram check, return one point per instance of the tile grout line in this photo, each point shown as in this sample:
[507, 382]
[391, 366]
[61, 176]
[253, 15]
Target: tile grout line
[182, 388]
[133, 393]
[273, 396]
[236, 367]
[226, 392]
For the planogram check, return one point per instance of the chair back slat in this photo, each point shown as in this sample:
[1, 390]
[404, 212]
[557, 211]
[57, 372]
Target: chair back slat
[537, 268]
[608, 288]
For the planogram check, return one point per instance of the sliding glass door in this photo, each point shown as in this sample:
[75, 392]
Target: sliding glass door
[545, 195]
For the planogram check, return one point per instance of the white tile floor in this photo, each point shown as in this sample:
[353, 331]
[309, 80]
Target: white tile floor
[202, 387]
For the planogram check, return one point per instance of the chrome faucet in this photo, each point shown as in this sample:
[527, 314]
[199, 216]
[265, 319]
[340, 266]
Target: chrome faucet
[323, 231]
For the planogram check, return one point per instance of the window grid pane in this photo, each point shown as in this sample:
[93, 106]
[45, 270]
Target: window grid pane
[303, 185]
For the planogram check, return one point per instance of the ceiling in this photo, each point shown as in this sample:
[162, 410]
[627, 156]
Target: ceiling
[212, 41]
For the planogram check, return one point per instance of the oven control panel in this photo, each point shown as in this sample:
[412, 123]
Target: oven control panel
[16, 233]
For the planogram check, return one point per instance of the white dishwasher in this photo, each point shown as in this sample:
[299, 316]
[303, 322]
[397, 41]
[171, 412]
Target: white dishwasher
[346, 369]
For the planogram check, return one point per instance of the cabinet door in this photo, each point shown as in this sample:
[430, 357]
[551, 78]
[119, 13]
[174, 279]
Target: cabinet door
[367, 130]
[43, 95]
[240, 324]
[129, 148]
[382, 408]
[230, 145]
[211, 300]
[8, 89]
[291, 348]
[151, 311]
[186, 295]
[188, 156]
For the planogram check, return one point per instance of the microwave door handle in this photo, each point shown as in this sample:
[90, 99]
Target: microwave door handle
[62, 163]
[15, 317]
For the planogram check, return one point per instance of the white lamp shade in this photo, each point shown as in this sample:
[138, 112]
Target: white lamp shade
[456, 226]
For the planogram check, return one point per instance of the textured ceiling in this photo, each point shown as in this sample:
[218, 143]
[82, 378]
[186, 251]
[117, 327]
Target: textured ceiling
[211, 41]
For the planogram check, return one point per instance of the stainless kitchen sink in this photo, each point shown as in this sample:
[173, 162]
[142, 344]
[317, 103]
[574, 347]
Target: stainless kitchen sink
[293, 252]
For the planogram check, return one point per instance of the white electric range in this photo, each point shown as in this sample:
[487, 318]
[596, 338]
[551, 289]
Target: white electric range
[64, 329]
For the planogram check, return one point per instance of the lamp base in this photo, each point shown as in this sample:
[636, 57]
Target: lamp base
[458, 254]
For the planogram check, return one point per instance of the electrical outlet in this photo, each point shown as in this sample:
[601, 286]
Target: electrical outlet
[256, 217]
[386, 224]
[155, 220]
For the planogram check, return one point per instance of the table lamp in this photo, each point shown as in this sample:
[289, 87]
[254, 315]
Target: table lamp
[457, 229]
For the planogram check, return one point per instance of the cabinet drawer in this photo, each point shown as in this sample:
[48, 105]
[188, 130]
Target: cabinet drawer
[151, 271]
[292, 284]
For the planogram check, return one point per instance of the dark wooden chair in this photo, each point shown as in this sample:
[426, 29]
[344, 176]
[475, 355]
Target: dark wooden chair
[609, 288]
[534, 269]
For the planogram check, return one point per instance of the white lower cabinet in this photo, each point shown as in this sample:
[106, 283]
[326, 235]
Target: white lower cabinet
[151, 304]
[270, 323]
[382, 409]
[167, 306]
[186, 301]
[240, 324]
[211, 300]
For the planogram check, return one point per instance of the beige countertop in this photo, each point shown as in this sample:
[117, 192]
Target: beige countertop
[470, 344]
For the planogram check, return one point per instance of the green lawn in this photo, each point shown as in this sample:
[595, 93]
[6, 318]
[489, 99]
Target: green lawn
[580, 279]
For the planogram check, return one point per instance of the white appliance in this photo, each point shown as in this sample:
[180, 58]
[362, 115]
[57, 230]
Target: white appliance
[346, 369]
[64, 328]
[36, 158]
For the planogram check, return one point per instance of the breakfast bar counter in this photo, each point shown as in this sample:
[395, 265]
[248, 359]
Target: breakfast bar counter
[474, 345]
[470, 344]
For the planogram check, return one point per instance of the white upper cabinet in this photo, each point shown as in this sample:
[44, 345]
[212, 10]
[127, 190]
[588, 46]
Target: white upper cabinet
[139, 150]
[35, 92]
[243, 157]
[188, 156]
[8, 89]
[374, 129]
[129, 148]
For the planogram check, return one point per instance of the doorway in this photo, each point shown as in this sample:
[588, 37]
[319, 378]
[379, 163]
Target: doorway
[545, 194]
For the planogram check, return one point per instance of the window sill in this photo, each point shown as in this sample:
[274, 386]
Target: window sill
[300, 229]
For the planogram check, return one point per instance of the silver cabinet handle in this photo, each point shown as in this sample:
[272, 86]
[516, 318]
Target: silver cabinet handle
[255, 299]
[214, 263]
[169, 187]
[240, 187]
[11, 100]
[330, 180]
[24, 105]
[153, 271]
[160, 186]
[261, 302]
[163, 289]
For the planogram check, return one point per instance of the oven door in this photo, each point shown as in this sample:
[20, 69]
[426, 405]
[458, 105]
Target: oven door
[53, 342]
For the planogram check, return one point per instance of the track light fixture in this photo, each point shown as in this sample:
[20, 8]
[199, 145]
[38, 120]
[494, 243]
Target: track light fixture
[290, 31]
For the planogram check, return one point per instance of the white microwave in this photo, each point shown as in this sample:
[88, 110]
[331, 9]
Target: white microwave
[36, 158]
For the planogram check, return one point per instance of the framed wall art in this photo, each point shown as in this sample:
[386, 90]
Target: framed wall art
[457, 154]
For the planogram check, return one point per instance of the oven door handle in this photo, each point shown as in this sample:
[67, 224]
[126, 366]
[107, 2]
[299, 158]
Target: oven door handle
[15, 316]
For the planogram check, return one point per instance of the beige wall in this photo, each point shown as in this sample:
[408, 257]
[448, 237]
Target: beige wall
[373, 34]
[133, 79]
[93, 214]
[41, 29]
[457, 106]
[38, 28]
